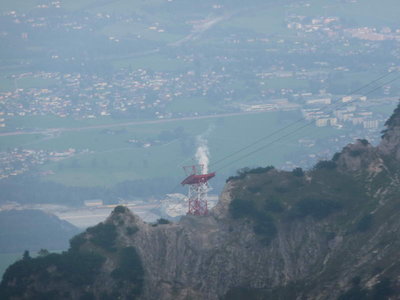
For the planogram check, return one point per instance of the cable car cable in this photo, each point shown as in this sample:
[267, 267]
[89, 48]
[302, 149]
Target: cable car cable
[291, 124]
[296, 130]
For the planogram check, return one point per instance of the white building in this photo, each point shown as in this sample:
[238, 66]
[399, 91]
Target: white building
[322, 122]
[371, 124]
[319, 101]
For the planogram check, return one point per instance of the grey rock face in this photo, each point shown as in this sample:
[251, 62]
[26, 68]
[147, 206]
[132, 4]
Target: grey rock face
[358, 157]
[390, 144]
[319, 255]
[203, 257]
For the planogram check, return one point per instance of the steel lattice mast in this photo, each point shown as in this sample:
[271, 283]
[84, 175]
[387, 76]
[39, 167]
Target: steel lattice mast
[198, 187]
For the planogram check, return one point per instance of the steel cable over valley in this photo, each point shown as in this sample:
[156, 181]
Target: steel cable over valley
[336, 106]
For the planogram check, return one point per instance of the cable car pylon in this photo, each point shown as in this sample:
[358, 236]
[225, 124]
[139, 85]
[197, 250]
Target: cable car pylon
[198, 188]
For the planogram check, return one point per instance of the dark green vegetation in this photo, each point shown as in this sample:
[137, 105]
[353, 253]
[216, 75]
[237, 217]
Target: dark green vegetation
[6, 259]
[365, 223]
[342, 202]
[163, 221]
[130, 270]
[337, 225]
[77, 270]
[318, 208]
[268, 196]
[103, 235]
[350, 202]
[33, 229]
[120, 209]
[241, 174]
[77, 241]
[394, 120]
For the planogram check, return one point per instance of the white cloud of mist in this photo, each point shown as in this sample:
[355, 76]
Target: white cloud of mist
[202, 155]
[203, 152]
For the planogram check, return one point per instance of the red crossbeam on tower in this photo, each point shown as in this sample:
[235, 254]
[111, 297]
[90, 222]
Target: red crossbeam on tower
[198, 188]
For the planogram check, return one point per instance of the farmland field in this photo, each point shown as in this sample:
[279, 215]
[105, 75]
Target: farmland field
[105, 157]
[117, 71]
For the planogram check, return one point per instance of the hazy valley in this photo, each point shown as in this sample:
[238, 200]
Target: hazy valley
[103, 102]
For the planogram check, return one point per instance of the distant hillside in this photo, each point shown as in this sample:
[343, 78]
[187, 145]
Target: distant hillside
[33, 230]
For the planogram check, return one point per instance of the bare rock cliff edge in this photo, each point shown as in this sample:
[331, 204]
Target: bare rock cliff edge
[332, 232]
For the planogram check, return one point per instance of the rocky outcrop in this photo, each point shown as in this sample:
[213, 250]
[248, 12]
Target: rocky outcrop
[358, 157]
[363, 157]
[330, 233]
[204, 257]
[390, 144]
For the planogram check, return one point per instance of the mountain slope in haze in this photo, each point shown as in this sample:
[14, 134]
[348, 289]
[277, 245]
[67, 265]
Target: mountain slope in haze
[34, 230]
[327, 233]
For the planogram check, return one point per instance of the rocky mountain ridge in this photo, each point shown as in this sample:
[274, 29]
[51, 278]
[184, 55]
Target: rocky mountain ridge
[329, 233]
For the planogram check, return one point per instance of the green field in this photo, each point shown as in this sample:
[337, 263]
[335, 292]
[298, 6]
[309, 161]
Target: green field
[24, 140]
[268, 20]
[10, 84]
[116, 6]
[155, 62]
[18, 5]
[110, 7]
[51, 121]
[362, 13]
[106, 158]
[201, 105]
[6, 84]
[110, 159]
[281, 83]
[123, 29]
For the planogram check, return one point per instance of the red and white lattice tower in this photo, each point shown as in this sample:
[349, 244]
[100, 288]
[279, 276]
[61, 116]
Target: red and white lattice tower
[198, 187]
